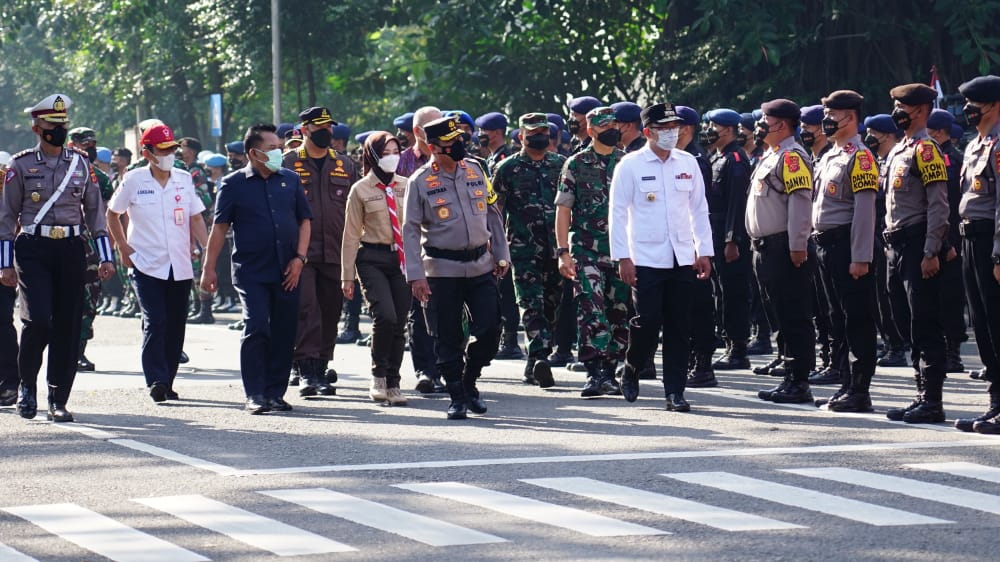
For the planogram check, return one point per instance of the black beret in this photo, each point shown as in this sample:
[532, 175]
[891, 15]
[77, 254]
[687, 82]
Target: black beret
[445, 129]
[659, 113]
[781, 108]
[843, 99]
[982, 89]
[913, 94]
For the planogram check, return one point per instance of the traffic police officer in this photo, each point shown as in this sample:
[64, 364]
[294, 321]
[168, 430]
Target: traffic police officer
[917, 235]
[8, 335]
[779, 221]
[326, 177]
[50, 192]
[981, 238]
[455, 245]
[846, 182]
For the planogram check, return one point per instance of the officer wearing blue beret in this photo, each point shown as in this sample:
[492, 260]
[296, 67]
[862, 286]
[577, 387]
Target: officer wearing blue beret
[576, 122]
[630, 124]
[236, 155]
[404, 130]
[812, 135]
[341, 132]
[493, 139]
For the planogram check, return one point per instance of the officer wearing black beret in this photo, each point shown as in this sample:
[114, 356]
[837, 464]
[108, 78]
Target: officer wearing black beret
[981, 237]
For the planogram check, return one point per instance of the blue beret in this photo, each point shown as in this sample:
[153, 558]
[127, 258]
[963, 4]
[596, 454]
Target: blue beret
[627, 112]
[982, 89]
[747, 120]
[940, 119]
[554, 131]
[492, 121]
[688, 115]
[216, 161]
[812, 114]
[564, 137]
[104, 154]
[882, 123]
[463, 117]
[235, 147]
[957, 131]
[284, 129]
[362, 137]
[341, 131]
[557, 119]
[583, 104]
[404, 122]
[514, 133]
[725, 117]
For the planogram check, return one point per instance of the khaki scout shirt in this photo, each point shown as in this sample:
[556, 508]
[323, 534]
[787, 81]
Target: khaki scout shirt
[368, 218]
[980, 171]
[326, 190]
[452, 212]
[918, 189]
[32, 179]
[846, 184]
[781, 195]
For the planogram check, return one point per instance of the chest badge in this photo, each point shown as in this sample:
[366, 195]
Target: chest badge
[444, 213]
[897, 182]
[35, 197]
[831, 188]
[977, 185]
[650, 197]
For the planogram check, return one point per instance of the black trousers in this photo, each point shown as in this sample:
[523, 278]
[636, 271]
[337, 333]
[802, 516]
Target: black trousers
[853, 301]
[953, 301]
[508, 308]
[731, 282]
[759, 316]
[663, 299]
[919, 300]
[388, 296]
[225, 270]
[829, 330]
[983, 294]
[352, 311]
[50, 278]
[421, 343]
[270, 315]
[8, 340]
[789, 291]
[451, 299]
[886, 322]
[566, 320]
[164, 305]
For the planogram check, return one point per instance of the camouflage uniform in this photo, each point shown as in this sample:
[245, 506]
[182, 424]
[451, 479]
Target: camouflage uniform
[92, 285]
[601, 297]
[527, 191]
[203, 188]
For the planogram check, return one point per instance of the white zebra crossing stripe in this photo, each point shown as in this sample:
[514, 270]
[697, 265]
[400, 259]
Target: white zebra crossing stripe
[250, 528]
[102, 535]
[806, 499]
[8, 554]
[410, 525]
[718, 517]
[913, 488]
[966, 469]
[533, 510]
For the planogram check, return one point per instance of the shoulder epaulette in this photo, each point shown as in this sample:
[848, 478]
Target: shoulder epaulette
[23, 153]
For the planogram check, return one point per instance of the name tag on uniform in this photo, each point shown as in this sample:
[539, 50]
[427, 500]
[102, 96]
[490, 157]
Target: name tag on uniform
[179, 216]
[648, 178]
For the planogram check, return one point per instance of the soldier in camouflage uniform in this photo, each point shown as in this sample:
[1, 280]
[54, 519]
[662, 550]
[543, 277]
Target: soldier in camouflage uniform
[601, 297]
[526, 185]
[188, 154]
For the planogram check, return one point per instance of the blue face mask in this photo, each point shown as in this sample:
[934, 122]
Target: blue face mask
[273, 161]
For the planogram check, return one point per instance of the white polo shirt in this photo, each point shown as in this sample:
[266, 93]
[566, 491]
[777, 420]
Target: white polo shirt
[159, 228]
[658, 209]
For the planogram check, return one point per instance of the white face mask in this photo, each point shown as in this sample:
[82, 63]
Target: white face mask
[389, 163]
[666, 139]
[165, 162]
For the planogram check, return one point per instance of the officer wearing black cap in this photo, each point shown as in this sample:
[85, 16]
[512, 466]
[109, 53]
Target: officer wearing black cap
[779, 222]
[49, 193]
[455, 246]
[576, 122]
[981, 237]
[917, 235]
[846, 182]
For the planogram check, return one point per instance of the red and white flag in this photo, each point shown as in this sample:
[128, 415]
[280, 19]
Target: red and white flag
[936, 84]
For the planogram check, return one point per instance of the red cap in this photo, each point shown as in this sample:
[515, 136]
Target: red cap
[159, 136]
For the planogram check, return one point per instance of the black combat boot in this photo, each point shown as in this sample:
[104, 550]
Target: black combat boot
[856, 398]
[307, 378]
[84, 364]
[541, 371]
[469, 378]
[529, 372]
[797, 391]
[953, 359]
[509, 349]
[322, 386]
[896, 414]
[775, 363]
[592, 387]
[967, 424]
[735, 359]
[609, 384]
[895, 358]
[459, 407]
[761, 345]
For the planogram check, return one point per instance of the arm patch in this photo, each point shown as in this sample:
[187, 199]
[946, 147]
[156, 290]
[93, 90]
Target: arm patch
[930, 162]
[795, 174]
[863, 174]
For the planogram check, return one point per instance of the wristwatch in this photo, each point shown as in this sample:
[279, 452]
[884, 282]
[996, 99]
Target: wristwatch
[502, 263]
[561, 251]
[304, 259]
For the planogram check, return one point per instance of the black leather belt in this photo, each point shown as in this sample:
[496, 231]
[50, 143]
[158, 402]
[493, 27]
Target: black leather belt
[898, 236]
[382, 247]
[978, 227]
[771, 240]
[456, 255]
[832, 235]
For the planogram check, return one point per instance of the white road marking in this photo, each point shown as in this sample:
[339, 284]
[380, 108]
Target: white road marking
[243, 526]
[532, 510]
[176, 457]
[8, 554]
[704, 514]
[966, 469]
[410, 525]
[88, 430]
[907, 487]
[805, 499]
[102, 535]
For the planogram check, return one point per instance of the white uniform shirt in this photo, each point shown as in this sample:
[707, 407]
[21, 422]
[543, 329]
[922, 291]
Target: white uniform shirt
[658, 210]
[159, 228]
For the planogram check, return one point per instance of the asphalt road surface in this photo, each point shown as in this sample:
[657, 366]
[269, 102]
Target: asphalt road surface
[544, 475]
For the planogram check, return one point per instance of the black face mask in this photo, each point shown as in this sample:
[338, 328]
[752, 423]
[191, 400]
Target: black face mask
[901, 118]
[611, 137]
[321, 137]
[872, 143]
[761, 131]
[830, 126]
[708, 137]
[484, 140]
[573, 126]
[973, 114]
[456, 151]
[235, 164]
[92, 154]
[808, 139]
[538, 142]
[55, 136]
[403, 141]
[741, 138]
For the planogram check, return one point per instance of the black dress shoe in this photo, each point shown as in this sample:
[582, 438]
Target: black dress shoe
[331, 376]
[457, 411]
[630, 383]
[256, 405]
[8, 397]
[183, 358]
[439, 387]
[677, 403]
[476, 405]
[542, 372]
[424, 383]
[158, 392]
[279, 405]
[84, 364]
[171, 395]
[27, 404]
[610, 386]
[325, 389]
[59, 414]
[592, 388]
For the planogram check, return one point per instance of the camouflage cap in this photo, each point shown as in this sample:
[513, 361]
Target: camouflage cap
[601, 116]
[531, 121]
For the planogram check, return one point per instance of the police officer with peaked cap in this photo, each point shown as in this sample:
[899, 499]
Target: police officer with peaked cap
[917, 235]
[50, 192]
[455, 246]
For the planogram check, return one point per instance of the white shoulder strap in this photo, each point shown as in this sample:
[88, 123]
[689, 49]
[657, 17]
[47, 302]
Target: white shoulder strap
[59, 191]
